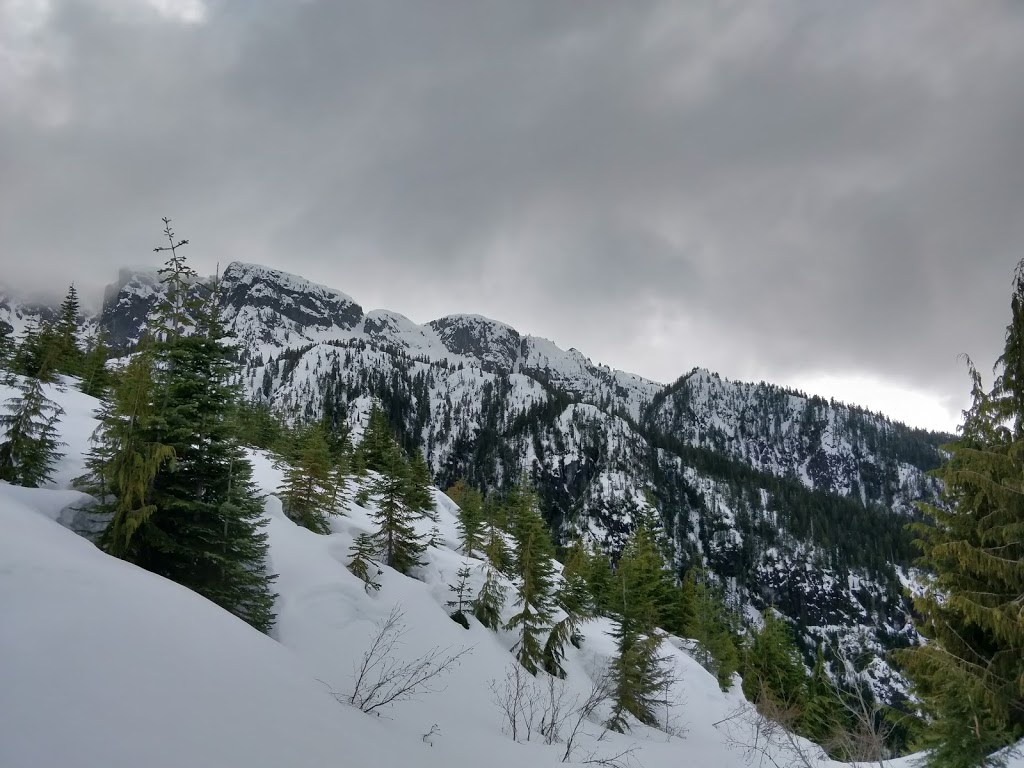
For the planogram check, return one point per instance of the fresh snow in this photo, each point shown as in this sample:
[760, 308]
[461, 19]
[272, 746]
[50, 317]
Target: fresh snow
[104, 665]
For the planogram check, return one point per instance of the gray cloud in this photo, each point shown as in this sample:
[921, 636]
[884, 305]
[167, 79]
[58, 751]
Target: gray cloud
[770, 189]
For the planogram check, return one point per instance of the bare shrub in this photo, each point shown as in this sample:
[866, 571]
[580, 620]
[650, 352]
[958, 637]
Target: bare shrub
[382, 678]
[765, 732]
[548, 708]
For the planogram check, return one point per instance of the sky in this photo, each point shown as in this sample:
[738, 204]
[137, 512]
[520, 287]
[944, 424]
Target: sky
[823, 195]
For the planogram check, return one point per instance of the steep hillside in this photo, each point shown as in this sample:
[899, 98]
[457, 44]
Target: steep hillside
[105, 665]
[790, 500]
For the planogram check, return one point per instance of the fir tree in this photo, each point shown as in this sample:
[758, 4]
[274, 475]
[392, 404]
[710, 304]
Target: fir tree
[34, 356]
[30, 446]
[706, 621]
[970, 675]
[772, 669]
[6, 346]
[66, 354]
[396, 538]
[534, 571]
[308, 494]
[490, 600]
[823, 716]
[376, 446]
[97, 379]
[470, 521]
[573, 598]
[600, 580]
[206, 531]
[638, 672]
[461, 601]
[495, 547]
[125, 459]
[362, 563]
[418, 497]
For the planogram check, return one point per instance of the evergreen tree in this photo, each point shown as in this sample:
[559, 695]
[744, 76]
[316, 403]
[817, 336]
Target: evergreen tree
[67, 355]
[470, 521]
[461, 601]
[823, 716]
[6, 346]
[362, 563]
[35, 351]
[206, 531]
[490, 600]
[573, 598]
[495, 547]
[638, 672]
[970, 673]
[308, 494]
[97, 379]
[125, 459]
[707, 623]
[30, 446]
[376, 446]
[534, 571]
[772, 668]
[395, 537]
[418, 497]
[600, 581]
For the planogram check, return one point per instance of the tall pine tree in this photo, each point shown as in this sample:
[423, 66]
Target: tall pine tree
[30, 446]
[639, 676]
[206, 530]
[970, 673]
[396, 538]
[125, 458]
[534, 572]
[470, 521]
[308, 493]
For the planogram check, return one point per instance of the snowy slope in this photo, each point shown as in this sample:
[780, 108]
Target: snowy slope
[105, 665]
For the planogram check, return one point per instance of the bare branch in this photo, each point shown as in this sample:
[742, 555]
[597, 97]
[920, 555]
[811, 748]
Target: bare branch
[382, 679]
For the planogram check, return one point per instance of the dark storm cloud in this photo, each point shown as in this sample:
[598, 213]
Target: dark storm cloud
[767, 189]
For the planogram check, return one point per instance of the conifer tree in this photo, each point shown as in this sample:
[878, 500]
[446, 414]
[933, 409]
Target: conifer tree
[30, 446]
[534, 571]
[396, 538]
[772, 669]
[600, 580]
[375, 447]
[6, 346]
[308, 493]
[67, 355]
[418, 497]
[125, 458]
[573, 598]
[461, 600]
[470, 521]
[362, 563]
[970, 673]
[34, 355]
[638, 672]
[495, 547]
[488, 603]
[206, 531]
[823, 716]
[707, 622]
[96, 377]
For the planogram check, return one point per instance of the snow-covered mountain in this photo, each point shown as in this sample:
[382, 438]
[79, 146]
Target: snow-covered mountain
[793, 501]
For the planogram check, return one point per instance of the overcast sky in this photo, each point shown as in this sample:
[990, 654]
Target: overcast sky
[828, 195]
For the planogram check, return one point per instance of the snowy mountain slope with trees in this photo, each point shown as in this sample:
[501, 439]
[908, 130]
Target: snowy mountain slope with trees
[781, 497]
[696, 544]
[106, 664]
